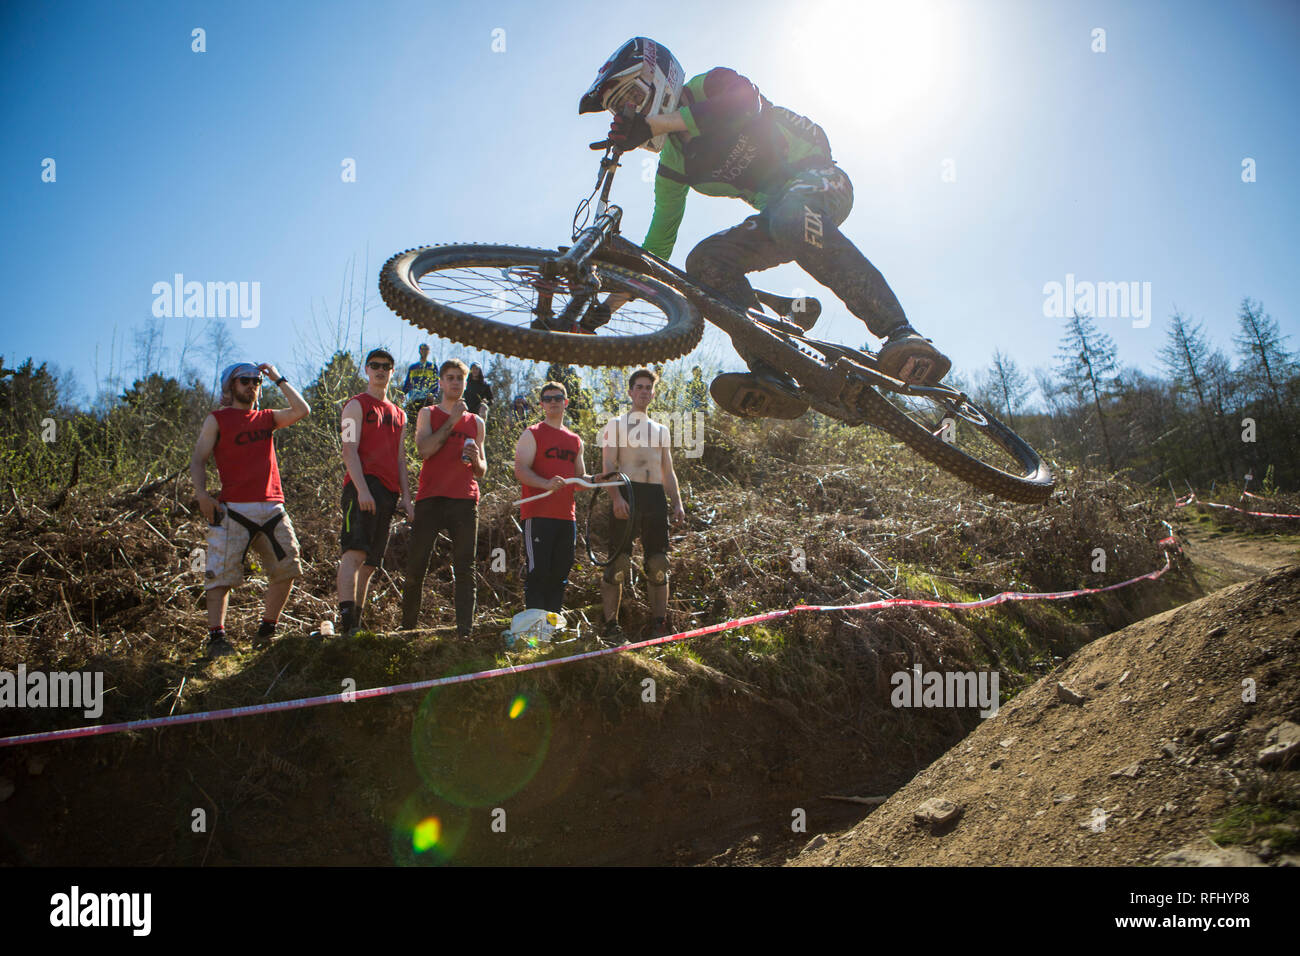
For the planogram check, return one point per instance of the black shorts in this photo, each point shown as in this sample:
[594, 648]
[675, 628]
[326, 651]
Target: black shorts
[365, 530]
[649, 519]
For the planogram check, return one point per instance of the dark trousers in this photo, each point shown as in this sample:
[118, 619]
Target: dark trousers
[801, 224]
[459, 518]
[549, 545]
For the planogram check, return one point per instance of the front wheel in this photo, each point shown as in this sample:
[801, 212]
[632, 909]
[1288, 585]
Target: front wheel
[499, 298]
[951, 431]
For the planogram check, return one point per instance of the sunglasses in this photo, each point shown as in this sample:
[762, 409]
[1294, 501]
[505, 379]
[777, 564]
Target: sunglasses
[381, 366]
[552, 398]
[249, 380]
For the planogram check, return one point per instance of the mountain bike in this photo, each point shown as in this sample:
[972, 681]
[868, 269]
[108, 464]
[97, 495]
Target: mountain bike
[547, 305]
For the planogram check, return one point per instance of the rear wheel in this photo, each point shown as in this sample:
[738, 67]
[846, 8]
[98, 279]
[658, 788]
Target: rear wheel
[498, 298]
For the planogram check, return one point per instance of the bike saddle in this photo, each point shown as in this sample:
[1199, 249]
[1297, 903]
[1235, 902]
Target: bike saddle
[802, 312]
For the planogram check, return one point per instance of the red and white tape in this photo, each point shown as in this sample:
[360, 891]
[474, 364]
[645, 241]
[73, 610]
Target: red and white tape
[351, 696]
[1192, 499]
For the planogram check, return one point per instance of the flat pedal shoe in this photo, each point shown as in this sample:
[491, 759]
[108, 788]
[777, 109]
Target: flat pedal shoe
[912, 358]
[746, 395]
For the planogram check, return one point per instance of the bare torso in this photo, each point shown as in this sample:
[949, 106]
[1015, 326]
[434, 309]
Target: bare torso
[638, 446]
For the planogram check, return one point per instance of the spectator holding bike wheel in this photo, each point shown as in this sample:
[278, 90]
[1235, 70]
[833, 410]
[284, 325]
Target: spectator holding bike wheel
[641, 449]
[545, 455]
[717, 134]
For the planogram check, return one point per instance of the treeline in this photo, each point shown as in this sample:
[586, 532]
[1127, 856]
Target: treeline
[1209, 418]
[146, 433]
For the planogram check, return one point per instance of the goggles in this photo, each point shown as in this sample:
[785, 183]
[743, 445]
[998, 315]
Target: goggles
[633, 92]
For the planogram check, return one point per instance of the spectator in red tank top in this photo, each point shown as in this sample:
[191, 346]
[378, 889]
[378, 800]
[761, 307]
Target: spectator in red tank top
[545, 455]
[249, 511]
[447, 496]
[375, 475]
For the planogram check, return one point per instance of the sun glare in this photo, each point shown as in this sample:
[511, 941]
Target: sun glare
[878, 60]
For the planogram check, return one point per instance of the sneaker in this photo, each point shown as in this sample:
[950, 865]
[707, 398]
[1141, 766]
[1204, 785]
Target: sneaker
[611, 635]
[747, 395]
[659, 627]
[265, 634]
[219, 647]
[910, 357]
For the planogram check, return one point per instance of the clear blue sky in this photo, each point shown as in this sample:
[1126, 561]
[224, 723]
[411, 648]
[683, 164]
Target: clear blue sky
[1123, 165]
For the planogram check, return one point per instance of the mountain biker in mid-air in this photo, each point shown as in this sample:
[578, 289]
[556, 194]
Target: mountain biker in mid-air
[719, 135]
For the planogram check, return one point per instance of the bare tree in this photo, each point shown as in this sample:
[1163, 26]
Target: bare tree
[220, 345]
[150, 353]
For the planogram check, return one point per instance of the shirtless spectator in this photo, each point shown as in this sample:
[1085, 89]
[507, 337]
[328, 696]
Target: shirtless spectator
[641, 449]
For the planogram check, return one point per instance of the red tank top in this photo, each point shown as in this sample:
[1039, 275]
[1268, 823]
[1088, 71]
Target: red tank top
[557, 454]
[380, 447]
[245, 455]
[443, 474]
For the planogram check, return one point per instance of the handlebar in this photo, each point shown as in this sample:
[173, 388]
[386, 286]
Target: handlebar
[571, 481]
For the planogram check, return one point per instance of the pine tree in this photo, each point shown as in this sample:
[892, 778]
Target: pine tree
[1087, 361]
[1186, 357]
[1006, 385]
[1264, 358]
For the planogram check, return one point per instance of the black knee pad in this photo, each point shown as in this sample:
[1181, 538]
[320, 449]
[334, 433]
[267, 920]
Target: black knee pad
[656, 568]
[616, 571]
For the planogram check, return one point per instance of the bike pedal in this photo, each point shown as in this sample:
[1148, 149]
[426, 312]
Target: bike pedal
[745, 395]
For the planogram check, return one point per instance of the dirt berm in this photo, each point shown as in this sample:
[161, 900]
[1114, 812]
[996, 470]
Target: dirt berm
[1167, 759]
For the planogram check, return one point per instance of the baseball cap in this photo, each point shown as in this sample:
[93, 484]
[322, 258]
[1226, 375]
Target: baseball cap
[384, 352]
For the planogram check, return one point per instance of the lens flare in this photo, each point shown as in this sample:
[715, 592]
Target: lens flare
[426, 835]
[427, 831]
[475, 746]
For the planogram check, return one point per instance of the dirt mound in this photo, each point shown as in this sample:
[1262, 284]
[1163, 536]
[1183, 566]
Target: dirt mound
[1166, 752]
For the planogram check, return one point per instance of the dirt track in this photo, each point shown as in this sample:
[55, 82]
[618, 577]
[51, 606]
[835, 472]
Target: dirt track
[1140, 768]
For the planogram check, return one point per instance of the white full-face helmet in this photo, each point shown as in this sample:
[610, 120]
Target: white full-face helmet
[642, 75]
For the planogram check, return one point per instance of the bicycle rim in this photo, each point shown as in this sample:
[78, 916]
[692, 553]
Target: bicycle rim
[496, 298]
[598, 526]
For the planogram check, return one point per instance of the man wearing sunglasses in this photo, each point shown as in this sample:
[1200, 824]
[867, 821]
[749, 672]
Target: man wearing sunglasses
[249, 509]
[545, 455]
[372, 437]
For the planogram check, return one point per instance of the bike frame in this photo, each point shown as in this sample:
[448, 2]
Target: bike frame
[843, 379]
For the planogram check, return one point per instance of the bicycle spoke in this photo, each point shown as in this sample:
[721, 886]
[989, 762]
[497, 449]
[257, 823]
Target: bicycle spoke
[512, 295]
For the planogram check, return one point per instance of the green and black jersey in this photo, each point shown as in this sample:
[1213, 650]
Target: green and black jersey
[736, 143]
